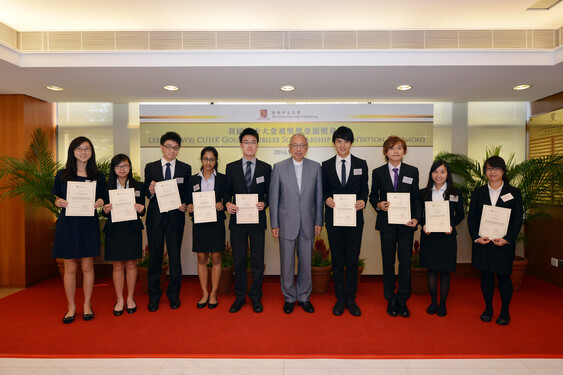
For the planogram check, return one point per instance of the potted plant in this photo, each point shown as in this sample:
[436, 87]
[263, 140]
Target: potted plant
[249, 277]
[419, 274]
[321, 267]
[143, 269]
[227, 270]
[361, 266]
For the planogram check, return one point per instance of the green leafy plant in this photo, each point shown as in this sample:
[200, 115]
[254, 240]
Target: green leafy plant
[144, 260]
[227, 259]
[321, 254]
[415, 256]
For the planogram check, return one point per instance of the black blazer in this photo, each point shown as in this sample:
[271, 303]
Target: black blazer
[236, 184]
[194, 184]
[357, 184]
[381, 184]
[456, 208]
[153, 172]
[136, 225]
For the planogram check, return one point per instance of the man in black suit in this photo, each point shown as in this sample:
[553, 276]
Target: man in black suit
[345, 174]
[166, 226]
[395, 176]
[248, 176]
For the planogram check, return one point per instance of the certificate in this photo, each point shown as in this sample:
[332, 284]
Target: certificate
[247, 211]
[399, 208]
[204, 207]
[167, 195]
[494, 222]
[344, 210]
[122, 205]
[437, 215]
[81, 197]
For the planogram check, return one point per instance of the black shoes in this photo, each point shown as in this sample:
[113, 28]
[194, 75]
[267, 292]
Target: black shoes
[174, 304]
[442, 311]
[503, 320]
[257, 306]
[432, 309]
[201, 305]
[68, 319]
[213, 305]
[288, 307]
[353, 308]
[131, 310]
[403, 310]
[88, 317]
[486, 316]
[117, 312]
[392, 308]
[153, 305]
[338, 308]
[307, 307]
[237, 305]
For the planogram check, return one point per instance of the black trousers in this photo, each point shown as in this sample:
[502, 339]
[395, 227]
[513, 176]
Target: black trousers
[173, 237]
[345, 245]
[396, 243]
[239, 244]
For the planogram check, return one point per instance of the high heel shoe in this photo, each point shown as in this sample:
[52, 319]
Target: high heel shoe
[68, 319]
[115, 312]
[131, 310]
[88, 317]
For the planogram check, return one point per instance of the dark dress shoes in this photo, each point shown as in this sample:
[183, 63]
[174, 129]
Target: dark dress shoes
[503, 320]
[117, 312]
[131, 310]
[432, 309]
[353, 308]
[213, 305]
[486, 317]
[307, 306]
[174, 304]
[442, 311]
[288, 307]
[88, 317]
[201, 305]
[237, 305]
[338, 308]
[403, 310]
[68, 319]
[392, 308]
[257, 306]
[153, 305]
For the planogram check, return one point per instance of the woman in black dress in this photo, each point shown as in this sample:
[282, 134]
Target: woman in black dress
[495, 255]
[77, 238]
[124, 239]
[208, 237]
[438, 251]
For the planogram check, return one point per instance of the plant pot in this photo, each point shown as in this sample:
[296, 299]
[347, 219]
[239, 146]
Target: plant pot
[79, 275]
[519, 266]
[419, 280]
[250, 278]
[320, 277]
[360, 271]
[225, 281]
[142, 273]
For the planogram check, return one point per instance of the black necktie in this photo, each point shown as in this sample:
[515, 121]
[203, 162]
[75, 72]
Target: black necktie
[168, 173]
[343, 173]
[248, 175]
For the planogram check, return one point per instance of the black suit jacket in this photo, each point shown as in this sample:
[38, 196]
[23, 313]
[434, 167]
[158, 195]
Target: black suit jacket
[236, 184]
[194, 185]
[456, 208]
[381, 184]
[153, 172]
[136, 225]
[357, 184]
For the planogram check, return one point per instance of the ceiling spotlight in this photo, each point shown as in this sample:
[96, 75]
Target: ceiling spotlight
[54, 88]
[521, 87]
[404, 87]
[287, 88]
[171, 88]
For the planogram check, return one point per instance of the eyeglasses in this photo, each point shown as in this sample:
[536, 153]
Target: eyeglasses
[171, 148]
[85, 149]
[298, 145]
[122, 166]
[249, 143]
[209, 160]
[494, 169]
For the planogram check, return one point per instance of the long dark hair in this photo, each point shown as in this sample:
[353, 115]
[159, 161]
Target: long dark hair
[213, 150]
[70, 167]
[496, 162]
[427, 192]
[112, 182]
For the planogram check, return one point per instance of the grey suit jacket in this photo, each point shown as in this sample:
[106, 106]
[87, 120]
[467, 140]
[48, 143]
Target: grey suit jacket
[291, 209]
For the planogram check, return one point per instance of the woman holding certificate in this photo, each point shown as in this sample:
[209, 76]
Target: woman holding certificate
[123, 230]
[494, 220]
[442, 212]
[78, 191]
[205, 204]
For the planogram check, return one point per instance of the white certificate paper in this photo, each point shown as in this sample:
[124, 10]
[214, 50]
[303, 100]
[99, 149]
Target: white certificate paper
[204, 207]
[344, 210]
[123, 205]
[247, 211]
[399, 208]
[437, 215]
[167, 195]
[81, 197]
[494, 222]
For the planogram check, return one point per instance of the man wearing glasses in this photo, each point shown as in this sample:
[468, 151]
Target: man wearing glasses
[296, 216]
[247, 176]
[166, 226]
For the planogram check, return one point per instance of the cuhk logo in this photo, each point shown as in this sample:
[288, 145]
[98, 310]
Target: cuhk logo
[263, 114]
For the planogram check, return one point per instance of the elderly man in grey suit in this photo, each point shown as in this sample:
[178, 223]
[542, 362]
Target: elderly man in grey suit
[296, 217]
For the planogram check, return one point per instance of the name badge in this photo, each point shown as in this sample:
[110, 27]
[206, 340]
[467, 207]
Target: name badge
[260, 179]
[357, 171]
[407, 180]
[454, 198]
[137, 193]
[506, 197]
[180, 180]
[196, 187]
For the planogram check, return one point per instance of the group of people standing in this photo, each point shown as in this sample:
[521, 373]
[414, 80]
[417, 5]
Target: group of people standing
[300, 194]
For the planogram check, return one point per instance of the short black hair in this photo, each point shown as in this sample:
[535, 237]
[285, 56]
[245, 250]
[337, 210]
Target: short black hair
[344, 133]
[249, 131]
[496, 162]
[171, 136]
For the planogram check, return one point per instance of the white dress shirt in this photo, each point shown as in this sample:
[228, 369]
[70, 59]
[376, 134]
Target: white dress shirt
[348, 166]
[494, 194]
[298, 165]
[438, 195]
[172, 167]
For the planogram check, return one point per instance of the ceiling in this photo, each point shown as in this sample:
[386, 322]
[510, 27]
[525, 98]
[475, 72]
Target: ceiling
[322, 75]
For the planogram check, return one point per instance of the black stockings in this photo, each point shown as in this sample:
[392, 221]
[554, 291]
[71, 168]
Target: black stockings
[444, 288]
[488, 289]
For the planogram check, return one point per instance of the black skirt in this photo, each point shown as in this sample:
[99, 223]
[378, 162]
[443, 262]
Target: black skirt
[438, 251]
[123, 243]
[209, 237]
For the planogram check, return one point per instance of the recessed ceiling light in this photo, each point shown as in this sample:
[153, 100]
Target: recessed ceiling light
[287, 88]
[521, 87]
[54, 88]
[171, 88]
[404, 87]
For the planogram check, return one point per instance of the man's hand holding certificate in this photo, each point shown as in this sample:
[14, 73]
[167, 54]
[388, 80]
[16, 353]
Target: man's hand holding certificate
[205, 210]
[437, 216]
[122, 205]
[247, 210]
[399, 208]
[167, 195]
[344, 210]
[494, 222]
[81, 197]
